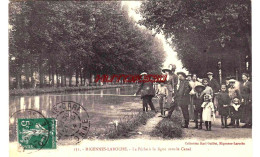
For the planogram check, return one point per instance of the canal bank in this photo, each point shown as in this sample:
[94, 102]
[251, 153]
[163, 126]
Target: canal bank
[37, 91]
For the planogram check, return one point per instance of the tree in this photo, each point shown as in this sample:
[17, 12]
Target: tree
[204, 31]
[78, 39]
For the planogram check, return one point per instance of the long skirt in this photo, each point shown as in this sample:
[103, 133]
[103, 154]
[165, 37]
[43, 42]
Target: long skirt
[246, 115]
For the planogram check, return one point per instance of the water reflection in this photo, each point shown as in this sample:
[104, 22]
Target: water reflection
[101, 93]
[22, 106]
[103, 106]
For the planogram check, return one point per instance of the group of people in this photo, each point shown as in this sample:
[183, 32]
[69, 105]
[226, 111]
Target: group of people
[199, 99]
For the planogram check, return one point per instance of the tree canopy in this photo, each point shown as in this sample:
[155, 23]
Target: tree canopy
[78, 38]
[204, 32]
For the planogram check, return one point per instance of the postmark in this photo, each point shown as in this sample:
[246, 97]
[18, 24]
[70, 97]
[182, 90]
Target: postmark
[32, 130]
[72, 121]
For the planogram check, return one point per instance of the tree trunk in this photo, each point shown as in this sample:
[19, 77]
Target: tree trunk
[27, 75]
[57, 79]
[18, 81]
[81, 77]
[40, 74]
[70, 80]
[52, 74]
[61, 79]
[77, 77]
[32, 78]
[65, 81]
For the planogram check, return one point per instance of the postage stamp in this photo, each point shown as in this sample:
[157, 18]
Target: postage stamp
[32, 130]
[72, 121]
[37, 133]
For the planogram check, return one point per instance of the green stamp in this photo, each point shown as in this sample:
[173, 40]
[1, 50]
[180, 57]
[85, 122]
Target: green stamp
[37, 133]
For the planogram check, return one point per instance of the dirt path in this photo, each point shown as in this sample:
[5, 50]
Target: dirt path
[143, 132]
[217, 132]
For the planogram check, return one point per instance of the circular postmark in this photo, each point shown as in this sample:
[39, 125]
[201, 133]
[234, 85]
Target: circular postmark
[72, 121]
[32, 130]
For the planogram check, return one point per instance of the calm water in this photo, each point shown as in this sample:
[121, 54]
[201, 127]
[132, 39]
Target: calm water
[103, 105]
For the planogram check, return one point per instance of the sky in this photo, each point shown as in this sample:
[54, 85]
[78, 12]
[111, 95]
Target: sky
[171, 55]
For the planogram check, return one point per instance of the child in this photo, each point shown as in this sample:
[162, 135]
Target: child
[233, 92]
[161, 93]
[223, 105]
[208, 89]
[236, 111]
[208, 111]
[197, 101]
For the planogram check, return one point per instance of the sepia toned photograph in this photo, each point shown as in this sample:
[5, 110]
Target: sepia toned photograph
[162, 77]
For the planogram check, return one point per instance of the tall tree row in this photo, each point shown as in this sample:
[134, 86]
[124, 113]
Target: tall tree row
[77, 39]
[205, 33]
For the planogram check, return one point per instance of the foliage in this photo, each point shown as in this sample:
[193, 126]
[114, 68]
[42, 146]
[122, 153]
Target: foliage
[169, 127]
[81, 39]
[204, 32]
[129, 124]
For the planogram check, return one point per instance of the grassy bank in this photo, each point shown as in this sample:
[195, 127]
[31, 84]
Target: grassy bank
[125, 126]
[37, 91]
[169, 127]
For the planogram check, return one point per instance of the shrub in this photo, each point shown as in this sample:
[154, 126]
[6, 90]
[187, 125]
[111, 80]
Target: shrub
[169, 127]
[128, 124]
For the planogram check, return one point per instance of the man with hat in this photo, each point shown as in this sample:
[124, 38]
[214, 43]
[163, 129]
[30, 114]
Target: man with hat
[227, 81]
[171, 83]
[147, 93]
[182, 98]
[213, 83]
[174, 76]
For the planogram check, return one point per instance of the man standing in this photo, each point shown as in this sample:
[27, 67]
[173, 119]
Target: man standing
[182, 98]
[213, 83]
[171, 83]
[174, 77]
[246, 94]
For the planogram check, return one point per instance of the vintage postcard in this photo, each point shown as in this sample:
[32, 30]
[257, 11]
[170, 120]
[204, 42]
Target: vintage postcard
[130, 78]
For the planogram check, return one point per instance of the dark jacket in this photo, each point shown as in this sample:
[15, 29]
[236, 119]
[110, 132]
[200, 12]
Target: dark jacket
[198, 100]
[213, 83]
[175, 81]
[146, 89]
[223, 99]
[246, 91]
[182, 96]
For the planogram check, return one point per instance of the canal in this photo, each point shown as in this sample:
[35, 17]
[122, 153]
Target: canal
[103, 105]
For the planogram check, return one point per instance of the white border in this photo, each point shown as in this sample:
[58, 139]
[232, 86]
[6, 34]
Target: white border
[4, 133]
